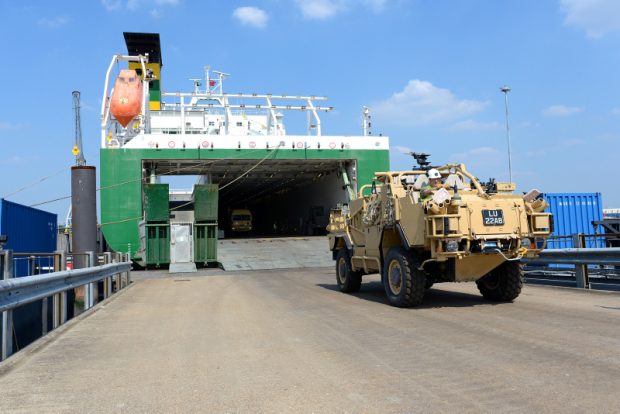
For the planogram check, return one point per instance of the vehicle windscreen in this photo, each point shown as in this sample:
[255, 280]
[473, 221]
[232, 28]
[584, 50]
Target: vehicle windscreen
[242, 217]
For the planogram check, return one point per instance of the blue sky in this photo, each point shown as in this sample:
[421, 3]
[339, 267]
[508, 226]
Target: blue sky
[429, 70]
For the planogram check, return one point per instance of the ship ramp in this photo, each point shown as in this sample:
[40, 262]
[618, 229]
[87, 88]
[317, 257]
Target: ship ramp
[274, 253]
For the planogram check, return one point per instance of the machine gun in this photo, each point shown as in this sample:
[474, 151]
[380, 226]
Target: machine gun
[422, 160]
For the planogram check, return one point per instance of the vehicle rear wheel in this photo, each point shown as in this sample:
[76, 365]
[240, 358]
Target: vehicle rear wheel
[348, 280]
[404, 283]
[502, 284]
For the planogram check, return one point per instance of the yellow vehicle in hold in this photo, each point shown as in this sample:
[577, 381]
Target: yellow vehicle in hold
[459, 231]
[241, 220]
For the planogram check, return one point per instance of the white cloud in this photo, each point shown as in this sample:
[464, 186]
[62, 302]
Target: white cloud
[481, 156]
[422, 103]
[376, 5]
[251, 16]
[476, 152]
[8, 125]
[615, 111]
[320, 9]
[475, 126]
[561, 110]
[112, 5]
[325, 9]
[53, 22]
[596, 17]
[403, 150]
[18, 160]
[573, 142]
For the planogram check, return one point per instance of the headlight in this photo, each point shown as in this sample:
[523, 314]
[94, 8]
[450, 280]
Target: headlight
[452, 246]
[527, 243]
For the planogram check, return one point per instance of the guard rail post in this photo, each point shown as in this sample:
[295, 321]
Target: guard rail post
[123, 274]
[128, 273]
[582, 279]
[59, 299]
[117, 258]
[7, 315]
[90, 290]
[107, 283]
[44, 301]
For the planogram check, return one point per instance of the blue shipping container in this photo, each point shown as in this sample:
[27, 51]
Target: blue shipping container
[28, 229]
[573, 213]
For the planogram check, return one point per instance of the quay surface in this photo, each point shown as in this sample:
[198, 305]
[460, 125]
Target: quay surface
[288, 341]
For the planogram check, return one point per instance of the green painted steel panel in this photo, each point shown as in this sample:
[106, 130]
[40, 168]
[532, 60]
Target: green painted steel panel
[154, 96]
[154, 85]
[157, 244]
[205, 202]
[156, 202]
[121, 175]
[205, 243]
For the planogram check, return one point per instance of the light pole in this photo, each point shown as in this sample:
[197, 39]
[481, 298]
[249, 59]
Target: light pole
[505, 89]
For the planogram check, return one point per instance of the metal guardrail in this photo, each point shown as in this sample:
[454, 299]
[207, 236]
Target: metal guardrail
[16, 292]
[23, 290]
[581, 258]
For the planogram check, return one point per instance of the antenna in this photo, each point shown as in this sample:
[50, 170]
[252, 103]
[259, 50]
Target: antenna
[366, 123]
[222, 76]
[197, 84]
[77, 141]
[208, 79]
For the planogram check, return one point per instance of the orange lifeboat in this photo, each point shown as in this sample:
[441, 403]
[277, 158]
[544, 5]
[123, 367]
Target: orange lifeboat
[126, 102]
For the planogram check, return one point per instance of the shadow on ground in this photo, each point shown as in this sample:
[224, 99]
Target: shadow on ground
[434, 297]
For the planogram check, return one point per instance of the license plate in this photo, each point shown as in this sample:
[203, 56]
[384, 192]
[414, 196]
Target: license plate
[493, 217]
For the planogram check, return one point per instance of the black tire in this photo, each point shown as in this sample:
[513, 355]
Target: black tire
[404, 283]
[502, 284]
[348, 280]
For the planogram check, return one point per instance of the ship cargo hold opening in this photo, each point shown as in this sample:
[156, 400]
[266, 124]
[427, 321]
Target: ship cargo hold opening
[282, 197]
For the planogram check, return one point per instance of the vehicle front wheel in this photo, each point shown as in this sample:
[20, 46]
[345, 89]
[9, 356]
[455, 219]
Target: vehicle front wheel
[348, 280]
[404, 283]
[502, 284]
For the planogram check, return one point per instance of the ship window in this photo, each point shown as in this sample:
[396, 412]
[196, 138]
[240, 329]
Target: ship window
[239, 123]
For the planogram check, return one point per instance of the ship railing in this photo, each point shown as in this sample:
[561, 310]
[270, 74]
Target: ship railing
[190, 101]
[109, 271]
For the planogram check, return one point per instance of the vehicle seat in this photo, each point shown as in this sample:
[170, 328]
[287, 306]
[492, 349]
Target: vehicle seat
[419, 182]
[453, 180]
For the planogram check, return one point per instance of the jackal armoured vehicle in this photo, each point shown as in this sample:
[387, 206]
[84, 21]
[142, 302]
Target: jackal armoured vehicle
[460, 232]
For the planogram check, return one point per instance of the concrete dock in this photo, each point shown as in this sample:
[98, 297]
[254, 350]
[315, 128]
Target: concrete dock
[288, 341]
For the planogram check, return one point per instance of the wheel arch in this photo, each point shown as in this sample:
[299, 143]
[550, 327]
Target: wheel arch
[392, 236]
[338, 243]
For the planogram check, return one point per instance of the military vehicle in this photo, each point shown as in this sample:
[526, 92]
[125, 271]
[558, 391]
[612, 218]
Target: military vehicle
[460, 232]
[241, 220]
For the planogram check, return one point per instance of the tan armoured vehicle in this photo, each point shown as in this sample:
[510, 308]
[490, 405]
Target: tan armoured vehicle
[461, 232]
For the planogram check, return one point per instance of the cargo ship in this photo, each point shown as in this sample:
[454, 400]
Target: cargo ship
[237, 147]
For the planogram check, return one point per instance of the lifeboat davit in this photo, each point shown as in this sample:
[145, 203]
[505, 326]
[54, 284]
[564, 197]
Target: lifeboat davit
[126, 102]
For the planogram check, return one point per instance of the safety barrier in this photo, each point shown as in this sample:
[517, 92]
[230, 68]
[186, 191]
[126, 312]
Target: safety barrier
[14, 292]
[581, 258]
